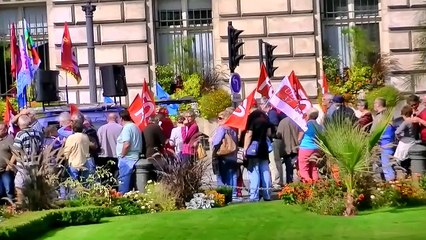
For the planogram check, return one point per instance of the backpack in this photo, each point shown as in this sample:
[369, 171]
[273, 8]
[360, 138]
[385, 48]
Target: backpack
[228, 145]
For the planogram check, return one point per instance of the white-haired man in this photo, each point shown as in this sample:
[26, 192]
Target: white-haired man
[34, 124]
[65, 123]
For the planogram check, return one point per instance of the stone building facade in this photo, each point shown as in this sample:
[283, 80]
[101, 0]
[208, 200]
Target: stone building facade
[138, 34]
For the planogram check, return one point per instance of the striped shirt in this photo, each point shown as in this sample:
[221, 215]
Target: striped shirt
[29, 140]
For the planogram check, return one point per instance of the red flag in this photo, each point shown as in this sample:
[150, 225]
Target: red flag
[142, 107]
[68, 58]
[73, 109]
[239, 117]
[9, 113]
[14, 52]
[264, 86]
[324, 83]
[286, 101]
[300, 93]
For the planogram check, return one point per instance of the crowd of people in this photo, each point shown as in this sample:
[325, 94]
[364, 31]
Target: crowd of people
[271, 147]
[279, 143]
[84, 147]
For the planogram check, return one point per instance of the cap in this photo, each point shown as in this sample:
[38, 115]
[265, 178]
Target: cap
[338, 99]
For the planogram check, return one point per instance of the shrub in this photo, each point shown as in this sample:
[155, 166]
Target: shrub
[398, 193]
[227, 191]
[162, 199]
[165, 76]
[182, 178]
[214, 102]
[41, 180]
[218, 198]
[96, 190]
[389, 93]
[324, 197]
[191, 87]
[212, 79]
[31, 225]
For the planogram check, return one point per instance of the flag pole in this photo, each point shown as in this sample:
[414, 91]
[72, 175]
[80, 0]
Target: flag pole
[66, 88]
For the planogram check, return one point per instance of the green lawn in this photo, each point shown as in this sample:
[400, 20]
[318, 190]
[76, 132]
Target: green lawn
[262, 221]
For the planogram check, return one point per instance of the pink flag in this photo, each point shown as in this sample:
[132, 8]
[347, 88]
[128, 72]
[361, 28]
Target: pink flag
[285, 100]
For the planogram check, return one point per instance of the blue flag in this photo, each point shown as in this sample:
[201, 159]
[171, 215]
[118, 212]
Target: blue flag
[160, 94]
[108, 100]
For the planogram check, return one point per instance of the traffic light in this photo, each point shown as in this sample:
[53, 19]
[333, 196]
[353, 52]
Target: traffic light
[269, 55]
[234, 46]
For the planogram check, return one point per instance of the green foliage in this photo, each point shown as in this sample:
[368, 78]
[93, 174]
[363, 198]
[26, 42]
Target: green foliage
[363, 48]
[31, 225]
[165, 76]
[182, 57]
[214, 102]
[227, 191]
[389, 93]
[399, 193]
[325, 197]
[3, 106]
[359, 78]
[191, 87]
[331, 68]
[160, 197]
[351, 149]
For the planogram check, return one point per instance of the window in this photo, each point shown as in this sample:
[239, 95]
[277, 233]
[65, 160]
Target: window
[36, 18]
[340, 15]
[7, 16]
[184, 26]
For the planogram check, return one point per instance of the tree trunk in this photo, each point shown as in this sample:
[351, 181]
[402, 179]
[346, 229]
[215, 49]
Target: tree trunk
[350, 207]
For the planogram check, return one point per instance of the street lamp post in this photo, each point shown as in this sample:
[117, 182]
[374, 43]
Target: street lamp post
[88, 9]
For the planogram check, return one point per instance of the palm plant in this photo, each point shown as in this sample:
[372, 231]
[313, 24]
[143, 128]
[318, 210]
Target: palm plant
[350, 148]
[41, 180]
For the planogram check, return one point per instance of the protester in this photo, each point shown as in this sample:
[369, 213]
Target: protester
[176, 140]
[386, 141]
[366, 117]
[77, 152]
[34, 123]
[65, 124]
[165, 122]
[153, 136]
[225, 165]
[29, 141]
[406, 134]
[95, 146]
[51, 137]
[421, 119]
[327, 103]
[414, 102]
[108, 134]
[308, 148]
[275, 164]
[256, 149]
[290, 135]
[129, 147]
[190, 132]
[6, 176]
[342, 112]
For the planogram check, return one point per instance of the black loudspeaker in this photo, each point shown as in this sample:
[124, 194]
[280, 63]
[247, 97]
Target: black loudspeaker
[114, 81]
[46, 85]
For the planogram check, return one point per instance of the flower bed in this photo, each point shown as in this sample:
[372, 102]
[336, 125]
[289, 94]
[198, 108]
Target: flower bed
[327, 197]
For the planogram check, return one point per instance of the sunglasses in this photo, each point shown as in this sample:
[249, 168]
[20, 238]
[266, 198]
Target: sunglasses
[220, 118]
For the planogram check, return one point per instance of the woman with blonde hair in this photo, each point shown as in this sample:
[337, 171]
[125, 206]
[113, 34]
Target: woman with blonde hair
[224, 155]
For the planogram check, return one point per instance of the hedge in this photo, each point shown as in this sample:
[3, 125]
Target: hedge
[31, 225]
